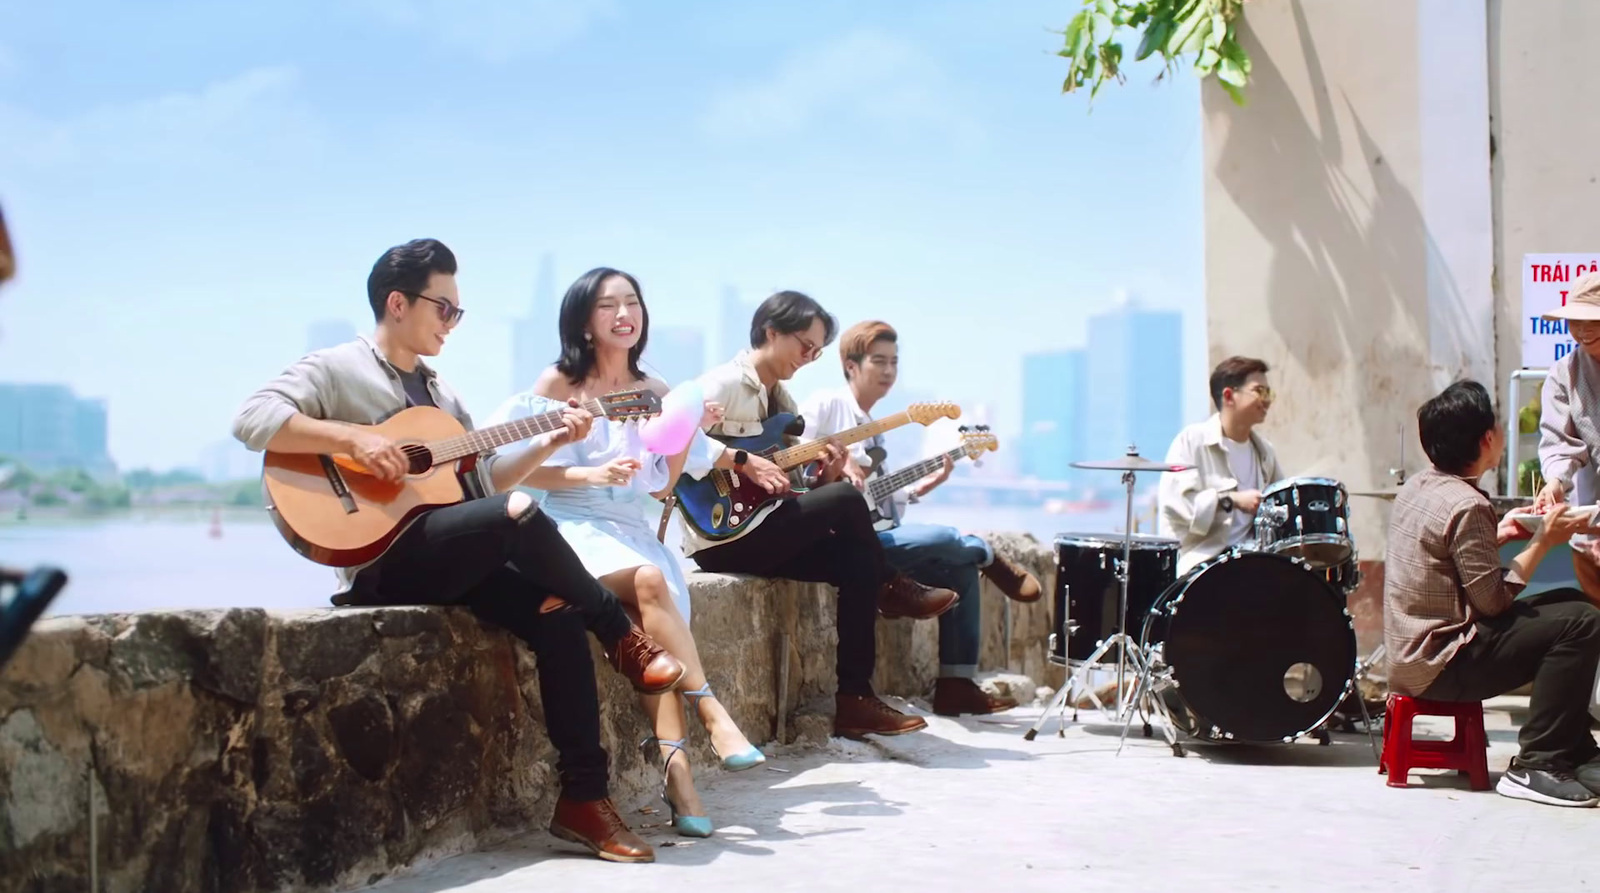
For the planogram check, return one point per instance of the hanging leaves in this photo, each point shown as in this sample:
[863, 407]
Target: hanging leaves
[1177, 29]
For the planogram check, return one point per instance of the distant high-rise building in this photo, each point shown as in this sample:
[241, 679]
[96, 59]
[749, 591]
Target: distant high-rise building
[1135, 381]
[328, 333]
[47, 426]
[535, 339]
[229, 460]
[1054, 421]
[675, 353]
[735, 324]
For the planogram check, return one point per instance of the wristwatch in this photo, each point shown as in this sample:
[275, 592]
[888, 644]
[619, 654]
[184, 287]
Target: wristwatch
[739, 458]
[1225, 503]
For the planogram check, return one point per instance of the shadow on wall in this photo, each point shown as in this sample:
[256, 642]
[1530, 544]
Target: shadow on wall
[1348, 273]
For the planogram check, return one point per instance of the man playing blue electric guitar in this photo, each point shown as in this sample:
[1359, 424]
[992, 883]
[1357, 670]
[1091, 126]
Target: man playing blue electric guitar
[821, 535]
[932, 553]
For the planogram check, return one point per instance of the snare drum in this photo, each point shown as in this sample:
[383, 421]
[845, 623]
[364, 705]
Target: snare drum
[1253, 646]
[1088, 593]
[1306, 518]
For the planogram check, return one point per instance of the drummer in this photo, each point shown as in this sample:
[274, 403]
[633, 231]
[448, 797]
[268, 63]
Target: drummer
[1211, 507]
[1569, 423]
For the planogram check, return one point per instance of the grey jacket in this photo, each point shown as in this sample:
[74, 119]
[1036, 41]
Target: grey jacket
[350, 382]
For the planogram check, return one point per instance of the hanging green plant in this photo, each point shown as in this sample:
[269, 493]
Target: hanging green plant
[1176, 29]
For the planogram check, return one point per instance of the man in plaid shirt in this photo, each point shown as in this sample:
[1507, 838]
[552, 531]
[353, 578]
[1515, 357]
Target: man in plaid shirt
[1453, 626]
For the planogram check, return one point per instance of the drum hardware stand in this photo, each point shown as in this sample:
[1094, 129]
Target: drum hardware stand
[1148, 691]
[1126, 645]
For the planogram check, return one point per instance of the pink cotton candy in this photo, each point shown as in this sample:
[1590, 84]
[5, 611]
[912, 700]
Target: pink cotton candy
[668, 433]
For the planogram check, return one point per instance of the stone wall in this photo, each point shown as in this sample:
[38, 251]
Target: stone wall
[243, 750]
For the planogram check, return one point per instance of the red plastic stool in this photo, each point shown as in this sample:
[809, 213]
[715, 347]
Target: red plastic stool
[1465, 752]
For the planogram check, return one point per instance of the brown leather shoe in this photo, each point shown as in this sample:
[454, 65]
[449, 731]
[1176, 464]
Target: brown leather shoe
[905, 597]
[595, 824]
[955, 695]
[858, 715]
[647, 665]
[1012, 579]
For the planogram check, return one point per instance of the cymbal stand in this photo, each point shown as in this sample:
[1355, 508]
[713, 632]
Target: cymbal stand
[1120, 638]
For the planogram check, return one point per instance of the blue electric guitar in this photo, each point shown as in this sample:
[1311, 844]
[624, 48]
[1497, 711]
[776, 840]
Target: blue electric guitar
[720, 504]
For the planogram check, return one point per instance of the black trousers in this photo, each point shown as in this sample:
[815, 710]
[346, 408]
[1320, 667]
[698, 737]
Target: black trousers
[1552, 640]
[821, 536]
[475, 555]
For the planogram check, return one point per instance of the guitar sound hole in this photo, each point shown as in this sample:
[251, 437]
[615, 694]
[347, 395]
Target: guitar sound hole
[421, 458]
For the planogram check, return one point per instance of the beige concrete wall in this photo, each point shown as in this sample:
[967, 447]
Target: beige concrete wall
[1315, 242]
[1543, 87]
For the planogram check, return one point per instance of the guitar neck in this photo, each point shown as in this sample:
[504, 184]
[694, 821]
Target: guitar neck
[881, 488]
[482, 440]
[809, 452]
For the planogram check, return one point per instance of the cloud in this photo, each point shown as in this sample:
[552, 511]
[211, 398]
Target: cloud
[254, 114]
[867, 76]
[495, 31]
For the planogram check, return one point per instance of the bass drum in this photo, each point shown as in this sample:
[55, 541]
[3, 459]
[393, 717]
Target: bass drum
[1258, 647]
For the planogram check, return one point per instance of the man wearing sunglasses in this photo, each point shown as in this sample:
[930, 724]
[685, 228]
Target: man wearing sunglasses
[496, 553]
[1211, 507]
[821, 535]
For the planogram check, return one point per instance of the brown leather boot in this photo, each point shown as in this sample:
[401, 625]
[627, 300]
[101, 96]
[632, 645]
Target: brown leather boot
[905, 597]
[858, 715]
[1012, 579]
[647, 665]
[955, 695]
[595, 824]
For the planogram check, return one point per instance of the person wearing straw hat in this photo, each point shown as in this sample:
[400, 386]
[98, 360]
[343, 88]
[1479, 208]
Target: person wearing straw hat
[1569, 423]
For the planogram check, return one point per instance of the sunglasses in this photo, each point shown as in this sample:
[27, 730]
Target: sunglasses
[812, 351]
[449, 313]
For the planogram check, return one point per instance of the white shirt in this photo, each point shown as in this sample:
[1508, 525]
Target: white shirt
[834, 410]
[1189, 510]
[1247, 471]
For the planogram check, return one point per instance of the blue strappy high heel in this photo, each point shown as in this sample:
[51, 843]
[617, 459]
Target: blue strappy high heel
[749, 758]
[685, 825]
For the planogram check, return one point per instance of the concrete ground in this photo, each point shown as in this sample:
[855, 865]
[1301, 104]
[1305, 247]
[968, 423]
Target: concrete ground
[969, 805]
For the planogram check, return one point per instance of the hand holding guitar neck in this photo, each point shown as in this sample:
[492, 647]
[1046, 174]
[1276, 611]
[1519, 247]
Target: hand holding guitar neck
[575, 424]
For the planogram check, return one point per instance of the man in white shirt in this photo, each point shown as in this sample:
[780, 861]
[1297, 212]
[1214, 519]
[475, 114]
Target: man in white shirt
[934, 555]
[1212, 507]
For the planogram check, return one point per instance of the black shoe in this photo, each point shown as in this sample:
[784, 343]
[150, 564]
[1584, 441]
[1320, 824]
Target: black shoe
[1553, 787]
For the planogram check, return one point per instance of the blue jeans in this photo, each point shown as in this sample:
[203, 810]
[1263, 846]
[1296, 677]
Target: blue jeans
[934, 555]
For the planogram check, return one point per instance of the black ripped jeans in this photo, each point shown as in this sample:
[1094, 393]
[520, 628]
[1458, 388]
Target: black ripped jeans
[475, 555]
[821, 536]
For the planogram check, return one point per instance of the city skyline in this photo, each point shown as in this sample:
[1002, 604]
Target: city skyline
[916, 165]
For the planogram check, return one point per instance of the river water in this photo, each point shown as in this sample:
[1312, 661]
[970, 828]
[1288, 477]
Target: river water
[129, 564]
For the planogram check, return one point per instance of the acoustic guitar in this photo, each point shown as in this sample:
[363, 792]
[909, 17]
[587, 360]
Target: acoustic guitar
[720, 505]
[335, 511]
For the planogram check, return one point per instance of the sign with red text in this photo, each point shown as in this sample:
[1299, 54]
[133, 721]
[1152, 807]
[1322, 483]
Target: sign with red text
[1545, 282]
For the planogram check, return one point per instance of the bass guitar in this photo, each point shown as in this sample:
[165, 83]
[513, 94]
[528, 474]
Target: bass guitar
[335, 511]
[974, 442]
[721, 504]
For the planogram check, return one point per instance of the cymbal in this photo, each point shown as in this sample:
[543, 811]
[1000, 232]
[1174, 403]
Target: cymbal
[1132, 463]
[1499, 502]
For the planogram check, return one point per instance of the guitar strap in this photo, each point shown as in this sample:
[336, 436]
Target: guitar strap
[666, 515]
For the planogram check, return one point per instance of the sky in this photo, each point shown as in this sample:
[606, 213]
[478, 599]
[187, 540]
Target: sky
[190, 184]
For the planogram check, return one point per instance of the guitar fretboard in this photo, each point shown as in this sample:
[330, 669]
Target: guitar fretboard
[812, 450]
[483, 440]
[880, 489]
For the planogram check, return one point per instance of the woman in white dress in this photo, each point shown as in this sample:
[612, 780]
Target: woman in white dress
[602, 492]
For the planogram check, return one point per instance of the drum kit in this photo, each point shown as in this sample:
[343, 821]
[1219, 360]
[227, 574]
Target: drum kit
[1253, 645]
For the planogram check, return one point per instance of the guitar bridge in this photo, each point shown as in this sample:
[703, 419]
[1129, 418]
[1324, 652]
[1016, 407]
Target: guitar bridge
[336, 482]
[723, 480]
